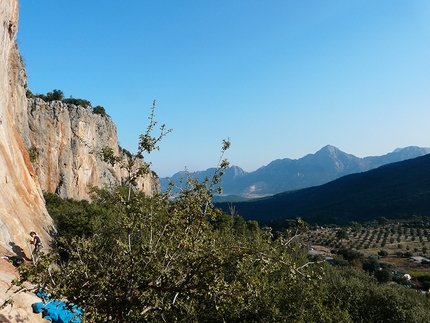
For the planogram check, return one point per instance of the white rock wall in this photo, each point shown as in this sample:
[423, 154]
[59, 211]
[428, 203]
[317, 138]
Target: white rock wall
[67, 141]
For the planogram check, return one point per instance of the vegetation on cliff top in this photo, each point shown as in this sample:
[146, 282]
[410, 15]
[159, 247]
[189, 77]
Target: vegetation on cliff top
[58, 95]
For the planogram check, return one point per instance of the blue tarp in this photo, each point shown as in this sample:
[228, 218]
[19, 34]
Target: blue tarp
[57, 311]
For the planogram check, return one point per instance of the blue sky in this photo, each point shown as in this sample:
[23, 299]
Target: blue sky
[281, 79]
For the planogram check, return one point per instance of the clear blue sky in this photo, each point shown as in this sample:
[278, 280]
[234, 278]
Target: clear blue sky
[281, 79]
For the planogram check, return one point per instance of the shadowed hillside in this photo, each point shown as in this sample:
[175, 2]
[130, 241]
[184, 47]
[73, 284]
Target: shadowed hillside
[392, 191]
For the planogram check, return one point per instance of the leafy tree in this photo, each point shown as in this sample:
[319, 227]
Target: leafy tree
[383, 275]
[364, 299]
[29, 94]
[383, 253]
[74, 219]
[81, 102]
[342, 234]
[355, 226]
[99, 110]
[353, 256]
[387, 265]
[147, 144]
[408, 254]
[383, 221]
[371, 265]
[157, 260]
[55, 95]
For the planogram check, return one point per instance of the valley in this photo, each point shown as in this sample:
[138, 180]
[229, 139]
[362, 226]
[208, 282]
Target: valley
[327, 164]
[395, 191]
[401, 246]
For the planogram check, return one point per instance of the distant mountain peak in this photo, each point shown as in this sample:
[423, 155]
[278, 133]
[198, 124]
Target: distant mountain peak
[281, 175]
[330, 150]
[329, 147]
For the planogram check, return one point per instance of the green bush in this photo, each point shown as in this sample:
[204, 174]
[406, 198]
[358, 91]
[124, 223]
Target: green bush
[366, 300]
[99, 110]
[425, 281]
[371, 265]
[29, 94]
[383, 275]
[383, 253]
[32, 152]
[80, 102]
[55, 95]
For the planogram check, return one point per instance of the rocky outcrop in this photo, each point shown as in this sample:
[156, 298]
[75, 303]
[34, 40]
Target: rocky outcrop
[21, 310]
[65, 142]
[22, 207]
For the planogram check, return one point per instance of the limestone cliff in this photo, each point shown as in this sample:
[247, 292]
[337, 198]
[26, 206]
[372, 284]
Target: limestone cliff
[65, 143]
[22, 207]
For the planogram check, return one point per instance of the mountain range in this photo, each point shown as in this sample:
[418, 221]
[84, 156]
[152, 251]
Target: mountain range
[327, 164]
[395, 190]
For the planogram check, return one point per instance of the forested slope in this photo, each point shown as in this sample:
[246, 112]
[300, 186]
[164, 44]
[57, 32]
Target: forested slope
[394, 190]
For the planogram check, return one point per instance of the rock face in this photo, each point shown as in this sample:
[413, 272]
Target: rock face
[43, 146]
[22, 207]
[65, 142]
[21, 310]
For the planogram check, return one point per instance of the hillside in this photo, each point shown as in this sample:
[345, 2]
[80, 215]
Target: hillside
[327, 164]
[392, 191]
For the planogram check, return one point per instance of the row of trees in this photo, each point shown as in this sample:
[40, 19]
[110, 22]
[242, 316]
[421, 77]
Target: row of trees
[398, 235]
[124, 257]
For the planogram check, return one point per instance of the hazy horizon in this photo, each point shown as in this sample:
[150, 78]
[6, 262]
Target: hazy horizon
[310, 153]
